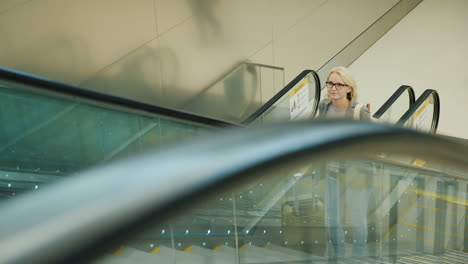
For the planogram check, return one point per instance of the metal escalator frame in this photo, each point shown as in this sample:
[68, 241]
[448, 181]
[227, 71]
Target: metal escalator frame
[419, 102]
[41, 83]
[78, 228]
[44, 84]
[50, 85]
[285, 90]
[395, 96]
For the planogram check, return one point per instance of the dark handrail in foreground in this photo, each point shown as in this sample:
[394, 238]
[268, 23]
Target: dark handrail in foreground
[163, 182]
[41, 83]
[416, 106]
[394, 97]
[283, 91]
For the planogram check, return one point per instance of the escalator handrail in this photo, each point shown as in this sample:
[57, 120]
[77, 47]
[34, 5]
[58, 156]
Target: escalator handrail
[395, 96]
[419, 102]
[116, 205]
[283, 91]
[41, 83]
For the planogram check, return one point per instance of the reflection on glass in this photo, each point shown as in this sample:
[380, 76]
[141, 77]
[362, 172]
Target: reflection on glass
[387, 208]
[238, 94]
[297, 104]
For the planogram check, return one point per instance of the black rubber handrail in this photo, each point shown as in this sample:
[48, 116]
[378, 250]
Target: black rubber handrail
[283, 91]
[395, 96]
[416, 106]
[164, 182]
[46, 84]
[41, 83]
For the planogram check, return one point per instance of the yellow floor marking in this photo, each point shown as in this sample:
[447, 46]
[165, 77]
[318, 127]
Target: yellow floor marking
[118, 252]
[431, 229]
[400, 218]
[448, 198]
[154, 251]
[454, 226]
[188, 249]
[279, 198]
[438, 210]
[419, 162]
[318, 187]
[243, 247]
[216, 248]
[266, 196]
[303, 184]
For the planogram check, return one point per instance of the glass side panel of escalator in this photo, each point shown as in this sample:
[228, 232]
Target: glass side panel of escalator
[383, 209]
[422, 118]
[298, 103]
[397, 109]
[45, 136]
[237, 94]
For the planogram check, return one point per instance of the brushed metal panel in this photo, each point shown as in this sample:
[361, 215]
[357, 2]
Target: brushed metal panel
[90, 42]
[232, 98]
[137, 76]
[317, 38]
[170, 13]
[208, 45]
[250, 25]
[264, 55]
[267, 76]
[71, 40]
[6, 5]
[288, 13]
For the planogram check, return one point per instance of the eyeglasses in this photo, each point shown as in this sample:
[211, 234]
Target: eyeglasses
[338, 86]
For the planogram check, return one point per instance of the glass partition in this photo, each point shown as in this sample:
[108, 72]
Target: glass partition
[299, 102]
[239, 93]
[381, 209]
[424, 116]
[46, 136]
[394, 108]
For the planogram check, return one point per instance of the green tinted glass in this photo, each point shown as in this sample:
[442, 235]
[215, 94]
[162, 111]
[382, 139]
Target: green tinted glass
[45, 137]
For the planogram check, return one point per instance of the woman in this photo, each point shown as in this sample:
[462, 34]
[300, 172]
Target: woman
[347, 182]
[341, 101]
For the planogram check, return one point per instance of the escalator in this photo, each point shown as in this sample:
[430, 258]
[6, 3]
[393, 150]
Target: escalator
[254, 196]
[55, 130]
[276, 216]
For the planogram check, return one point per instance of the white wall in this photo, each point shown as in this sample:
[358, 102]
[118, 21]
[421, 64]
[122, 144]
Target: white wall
[428, 49]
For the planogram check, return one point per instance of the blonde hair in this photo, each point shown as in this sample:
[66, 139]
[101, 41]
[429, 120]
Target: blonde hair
[348, 79]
